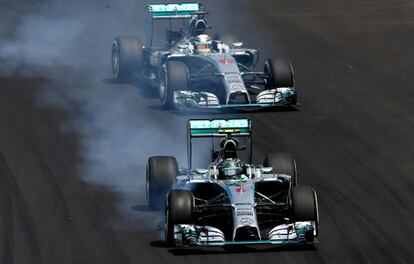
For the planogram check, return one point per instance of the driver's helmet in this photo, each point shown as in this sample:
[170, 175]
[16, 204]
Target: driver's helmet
[229, 148]
[230, 169]
[203, 44]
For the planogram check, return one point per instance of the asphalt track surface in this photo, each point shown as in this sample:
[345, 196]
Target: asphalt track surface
[73, 144]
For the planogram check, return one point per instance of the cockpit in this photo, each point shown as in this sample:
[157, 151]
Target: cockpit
[228, 165]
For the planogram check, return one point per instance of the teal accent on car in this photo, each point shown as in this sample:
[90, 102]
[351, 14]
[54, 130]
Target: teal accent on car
[173, 10]
[219, 126]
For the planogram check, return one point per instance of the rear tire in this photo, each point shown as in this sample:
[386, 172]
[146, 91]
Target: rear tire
[127, 58]
[161, 175]
[174, 77]
[305, 207]
[282, 163]
[179, 210]
[280, 74]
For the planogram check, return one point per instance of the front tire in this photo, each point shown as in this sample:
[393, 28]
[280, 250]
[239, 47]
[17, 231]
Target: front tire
[174, 77]
[179, 210]
[305, 207]
[161, 175]
[127, 58]
[279, 74]
[282, 163]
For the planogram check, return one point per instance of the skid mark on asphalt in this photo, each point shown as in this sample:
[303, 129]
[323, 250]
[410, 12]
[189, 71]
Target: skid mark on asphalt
[21, 216]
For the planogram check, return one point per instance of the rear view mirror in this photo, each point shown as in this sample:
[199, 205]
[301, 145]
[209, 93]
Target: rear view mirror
[182, 45]
[267, 169]
[237, 44]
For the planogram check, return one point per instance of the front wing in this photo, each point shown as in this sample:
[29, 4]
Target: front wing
[287, 234]
[281, 97]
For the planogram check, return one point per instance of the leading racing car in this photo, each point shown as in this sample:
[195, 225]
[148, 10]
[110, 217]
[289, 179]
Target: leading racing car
[194, 71]
[232, 202]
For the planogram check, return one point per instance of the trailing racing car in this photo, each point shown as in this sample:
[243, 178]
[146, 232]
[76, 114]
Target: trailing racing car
[232, 202]
[195, 71]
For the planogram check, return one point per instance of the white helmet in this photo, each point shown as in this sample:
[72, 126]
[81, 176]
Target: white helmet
[203, 44]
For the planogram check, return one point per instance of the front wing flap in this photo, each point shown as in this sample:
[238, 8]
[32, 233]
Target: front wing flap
[281, 97]
[287, 234]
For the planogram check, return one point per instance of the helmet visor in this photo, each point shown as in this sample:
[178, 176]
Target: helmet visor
[231, 171]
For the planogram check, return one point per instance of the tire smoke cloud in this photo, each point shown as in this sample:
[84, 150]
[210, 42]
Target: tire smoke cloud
[69, 44]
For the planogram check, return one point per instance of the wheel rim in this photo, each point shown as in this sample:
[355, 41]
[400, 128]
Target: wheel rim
[147, 188]
[115, 60]
[163, 85]
[269, 82]
[317, 214]
[166, 222]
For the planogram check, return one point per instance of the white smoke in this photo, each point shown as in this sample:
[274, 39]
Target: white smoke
[69, 42]
[64, 33]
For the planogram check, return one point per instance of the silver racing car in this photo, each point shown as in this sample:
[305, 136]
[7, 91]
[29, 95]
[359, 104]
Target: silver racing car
[232, 201]
[195, 71]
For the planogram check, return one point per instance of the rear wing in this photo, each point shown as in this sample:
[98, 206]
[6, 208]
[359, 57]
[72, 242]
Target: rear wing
[220, 127]
[179, 10]
[202, 128]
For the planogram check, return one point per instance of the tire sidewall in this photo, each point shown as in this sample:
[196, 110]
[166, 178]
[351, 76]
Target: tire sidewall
[172, 217]
[300, 197]
[270, 80]
[170, 83]
[274, 68]
[127, 57]
[163, 86]
[115, 60]
[168, 229]
[160, 180]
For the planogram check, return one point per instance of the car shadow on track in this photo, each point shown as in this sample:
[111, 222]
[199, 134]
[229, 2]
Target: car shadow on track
[210, 112]
[143, 89]
[231, 249]
[142, 208]
[159, 226]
